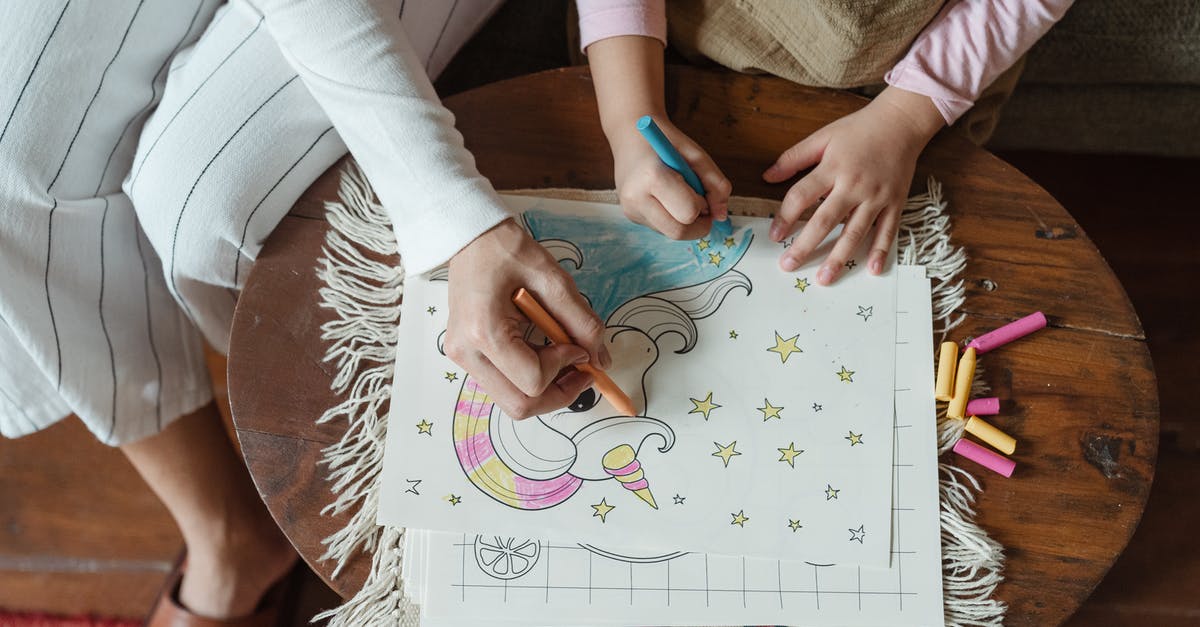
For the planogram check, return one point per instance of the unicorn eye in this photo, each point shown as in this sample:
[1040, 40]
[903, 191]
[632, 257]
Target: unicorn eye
[585, 401]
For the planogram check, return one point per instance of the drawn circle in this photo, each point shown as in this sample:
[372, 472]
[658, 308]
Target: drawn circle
[649, 557]
[506, 557]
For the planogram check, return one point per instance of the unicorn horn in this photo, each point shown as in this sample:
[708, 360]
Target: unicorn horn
[621, 462]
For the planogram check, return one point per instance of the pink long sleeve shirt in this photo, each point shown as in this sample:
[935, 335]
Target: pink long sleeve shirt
[960, 53]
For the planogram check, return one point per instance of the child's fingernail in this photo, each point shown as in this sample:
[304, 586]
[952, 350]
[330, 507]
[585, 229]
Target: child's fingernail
[789, 263]
[825, 275]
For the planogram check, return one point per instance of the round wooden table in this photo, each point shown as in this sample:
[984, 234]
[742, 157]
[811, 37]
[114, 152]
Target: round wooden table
[1083, 403]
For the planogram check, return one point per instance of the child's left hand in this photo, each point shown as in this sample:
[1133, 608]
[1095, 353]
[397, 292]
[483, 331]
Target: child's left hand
[864, 166]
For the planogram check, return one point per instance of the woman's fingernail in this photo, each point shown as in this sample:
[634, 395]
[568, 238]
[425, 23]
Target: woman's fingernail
[776, 232]
[825, 275]
[789, 263]
[582, 359]
[876, 265]
[606, 361]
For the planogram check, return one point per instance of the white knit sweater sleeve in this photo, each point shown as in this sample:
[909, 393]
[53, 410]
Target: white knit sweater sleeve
[357, 63]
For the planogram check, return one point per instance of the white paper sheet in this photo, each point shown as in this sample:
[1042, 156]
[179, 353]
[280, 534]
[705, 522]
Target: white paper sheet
[767, 428]
[568, 584]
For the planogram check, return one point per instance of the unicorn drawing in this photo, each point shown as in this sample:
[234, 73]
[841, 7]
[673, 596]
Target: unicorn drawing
[650, 291]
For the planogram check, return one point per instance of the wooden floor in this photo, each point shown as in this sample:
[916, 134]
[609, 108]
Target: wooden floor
[80, 533]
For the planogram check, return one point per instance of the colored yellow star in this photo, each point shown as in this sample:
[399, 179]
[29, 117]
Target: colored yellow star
[451, 376]
[845, 375]
[726, 452]
[431, 309]
[785, 348]
[789, 454]
[855, 438]
[795, 525]
[715, 259]
[703, 244]
[802, 284]
[602, 509]
[729, 242]
[830, 493]
[770, 411]
[740, 519]
[425, 427]
[732, 334]
[703, 406]
[453, 499]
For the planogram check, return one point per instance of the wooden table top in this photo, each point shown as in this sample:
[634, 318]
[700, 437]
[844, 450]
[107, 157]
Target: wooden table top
[1081, 394]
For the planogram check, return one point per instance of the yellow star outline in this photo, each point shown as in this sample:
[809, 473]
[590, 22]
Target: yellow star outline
[785, 348]
[830, 493]
[451, 376]
[855, 438]
[715, 259]
[740, 519]
[703, 244]
[789, 454]
[802, 284]
[770, 411]
[729, 242]
[453, 499]
[795, 525]
[726, 452]
[602, 509]
[845, 375]
[703, 406]
[425, 427]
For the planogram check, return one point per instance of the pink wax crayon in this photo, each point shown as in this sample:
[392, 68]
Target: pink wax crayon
[980, 455]
[1012, 331]
[989, 406]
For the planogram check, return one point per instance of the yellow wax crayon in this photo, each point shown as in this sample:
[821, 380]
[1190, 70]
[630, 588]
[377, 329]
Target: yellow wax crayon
[945, 374]
[962, 385]
[999, 440]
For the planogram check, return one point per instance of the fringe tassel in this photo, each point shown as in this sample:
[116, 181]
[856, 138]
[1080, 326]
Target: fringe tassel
[365, 295]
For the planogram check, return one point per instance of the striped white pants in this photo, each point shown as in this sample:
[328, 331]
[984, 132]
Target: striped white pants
[147, 150]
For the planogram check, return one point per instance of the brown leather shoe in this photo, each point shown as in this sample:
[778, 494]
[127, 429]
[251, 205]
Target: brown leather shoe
[169, 612]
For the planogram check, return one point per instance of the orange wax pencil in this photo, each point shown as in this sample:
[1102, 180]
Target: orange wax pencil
[548, 325]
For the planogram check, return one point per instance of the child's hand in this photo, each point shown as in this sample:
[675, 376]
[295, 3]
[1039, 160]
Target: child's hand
[864, 166]
[656, 196]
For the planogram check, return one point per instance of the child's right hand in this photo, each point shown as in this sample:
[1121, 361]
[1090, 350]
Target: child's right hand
[656, 196]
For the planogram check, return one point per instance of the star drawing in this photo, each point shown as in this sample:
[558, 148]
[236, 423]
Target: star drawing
[865, 312]
[785, 348]
[855, 438]
[857, 534]
[425, 427]
[770, 411]
[830, 493]
[802, 284]
[453, 499]
[726, 452]
[795, 525]
[679, 499]
[845, 375]
[602, 509]
[451, 376]
[412, 486]
[740, 519]
[789, 454]
[703, 406]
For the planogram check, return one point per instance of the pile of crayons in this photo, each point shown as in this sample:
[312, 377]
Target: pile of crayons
[954, 378]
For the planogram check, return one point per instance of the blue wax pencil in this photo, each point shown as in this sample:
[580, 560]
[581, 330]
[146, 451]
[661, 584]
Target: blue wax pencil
[667, 153]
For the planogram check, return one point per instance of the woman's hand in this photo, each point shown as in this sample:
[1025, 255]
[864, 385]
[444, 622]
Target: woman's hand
[656, 196]
[864, 166]
[485, 331]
